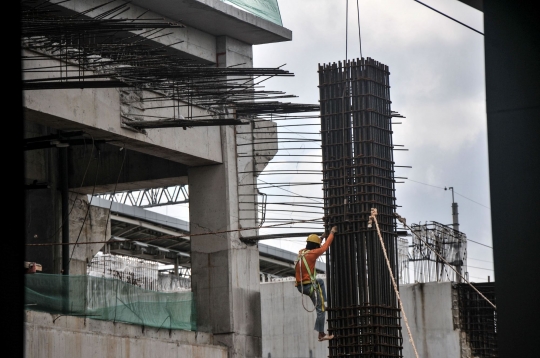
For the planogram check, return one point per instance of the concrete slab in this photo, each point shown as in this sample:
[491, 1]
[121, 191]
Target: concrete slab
[220, 19]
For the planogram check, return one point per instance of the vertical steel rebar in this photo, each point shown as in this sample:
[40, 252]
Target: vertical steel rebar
[358, 174]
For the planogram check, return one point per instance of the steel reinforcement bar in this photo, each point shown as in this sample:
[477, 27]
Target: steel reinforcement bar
[358, 174]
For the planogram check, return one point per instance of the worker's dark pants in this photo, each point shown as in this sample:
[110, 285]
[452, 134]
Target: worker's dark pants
[316, 299]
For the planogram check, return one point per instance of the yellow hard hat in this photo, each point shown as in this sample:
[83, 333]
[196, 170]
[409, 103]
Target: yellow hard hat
[314, 238]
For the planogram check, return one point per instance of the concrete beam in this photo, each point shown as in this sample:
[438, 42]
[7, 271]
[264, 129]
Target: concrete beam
[99, 112]
[114, 170]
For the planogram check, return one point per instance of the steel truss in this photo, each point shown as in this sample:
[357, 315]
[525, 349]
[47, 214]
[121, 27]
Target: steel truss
[148, 198]
[358, 174]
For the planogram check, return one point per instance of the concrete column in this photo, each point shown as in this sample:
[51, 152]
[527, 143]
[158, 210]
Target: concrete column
[43, 216]
[225, 271]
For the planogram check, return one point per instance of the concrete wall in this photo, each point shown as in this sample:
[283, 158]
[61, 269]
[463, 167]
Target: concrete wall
[52, 336]
[287, 328]
[431, 311]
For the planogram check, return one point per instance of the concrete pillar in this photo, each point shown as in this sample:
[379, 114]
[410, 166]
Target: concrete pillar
[224, 270]
[87, 223]
[43, 216]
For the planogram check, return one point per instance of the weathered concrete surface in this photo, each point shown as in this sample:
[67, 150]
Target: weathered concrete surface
[43, 206]
[287, 328]
[225, 271]
[429, 310]
[98, 112]
[120, 170]
[87, 223]
[70, 336]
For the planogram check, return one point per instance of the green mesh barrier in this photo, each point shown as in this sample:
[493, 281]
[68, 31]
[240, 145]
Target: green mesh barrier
[266, 9]
[110, 300]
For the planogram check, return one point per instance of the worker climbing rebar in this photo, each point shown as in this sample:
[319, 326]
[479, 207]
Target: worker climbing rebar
[307, 283]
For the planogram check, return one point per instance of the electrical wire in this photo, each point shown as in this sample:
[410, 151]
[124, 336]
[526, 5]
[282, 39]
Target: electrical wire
[87, 209]
[451, 18]
[82, 183]
[115, 185]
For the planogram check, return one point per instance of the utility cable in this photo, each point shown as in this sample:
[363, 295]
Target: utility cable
[114, 190]
[346, 28]
[359, 36]
[438, 187]
[292, 192]
[451, 18]
[88, 209]
[82, 183]
[183, 235]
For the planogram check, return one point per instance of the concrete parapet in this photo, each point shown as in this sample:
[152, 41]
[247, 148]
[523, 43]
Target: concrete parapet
[49, 336]
[429, 311]
[287, 328]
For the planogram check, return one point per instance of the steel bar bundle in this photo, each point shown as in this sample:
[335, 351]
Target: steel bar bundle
[478, 319]
[71, 50]
[358, 174]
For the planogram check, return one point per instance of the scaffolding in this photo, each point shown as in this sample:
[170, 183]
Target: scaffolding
[448, 243]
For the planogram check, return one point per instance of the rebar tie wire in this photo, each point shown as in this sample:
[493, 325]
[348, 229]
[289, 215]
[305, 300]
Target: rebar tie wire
[373, 217]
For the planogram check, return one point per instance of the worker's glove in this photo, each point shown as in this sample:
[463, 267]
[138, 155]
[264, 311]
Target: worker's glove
[334, 229]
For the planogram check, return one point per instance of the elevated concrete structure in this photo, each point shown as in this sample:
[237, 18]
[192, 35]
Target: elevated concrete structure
[225, 270]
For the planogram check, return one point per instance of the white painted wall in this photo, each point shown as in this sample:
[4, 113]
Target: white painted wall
[287, 329]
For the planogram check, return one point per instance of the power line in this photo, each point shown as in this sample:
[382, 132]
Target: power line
[471, 200]
[451, 18]
[438, 187]
[481, 268]
[479, 243]
[471, 258]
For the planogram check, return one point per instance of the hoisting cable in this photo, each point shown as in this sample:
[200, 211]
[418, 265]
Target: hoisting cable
[403, 221]
[373, 217]
[359, 37]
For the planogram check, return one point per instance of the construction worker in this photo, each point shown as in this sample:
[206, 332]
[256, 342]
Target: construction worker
[307, 283]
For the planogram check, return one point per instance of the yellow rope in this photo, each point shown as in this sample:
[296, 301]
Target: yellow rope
[373, 217]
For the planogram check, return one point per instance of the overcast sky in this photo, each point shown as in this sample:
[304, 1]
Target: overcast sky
[437, 83]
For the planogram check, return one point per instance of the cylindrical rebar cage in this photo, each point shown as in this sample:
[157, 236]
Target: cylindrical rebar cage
[358, 174]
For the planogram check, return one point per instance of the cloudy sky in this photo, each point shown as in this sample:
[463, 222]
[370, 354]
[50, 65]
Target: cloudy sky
[437, 83]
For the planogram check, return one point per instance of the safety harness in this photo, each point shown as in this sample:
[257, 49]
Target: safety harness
[312, 278]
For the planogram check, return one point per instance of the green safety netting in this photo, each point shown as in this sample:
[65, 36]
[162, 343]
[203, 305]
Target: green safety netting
[110, 300]
[266, 9]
